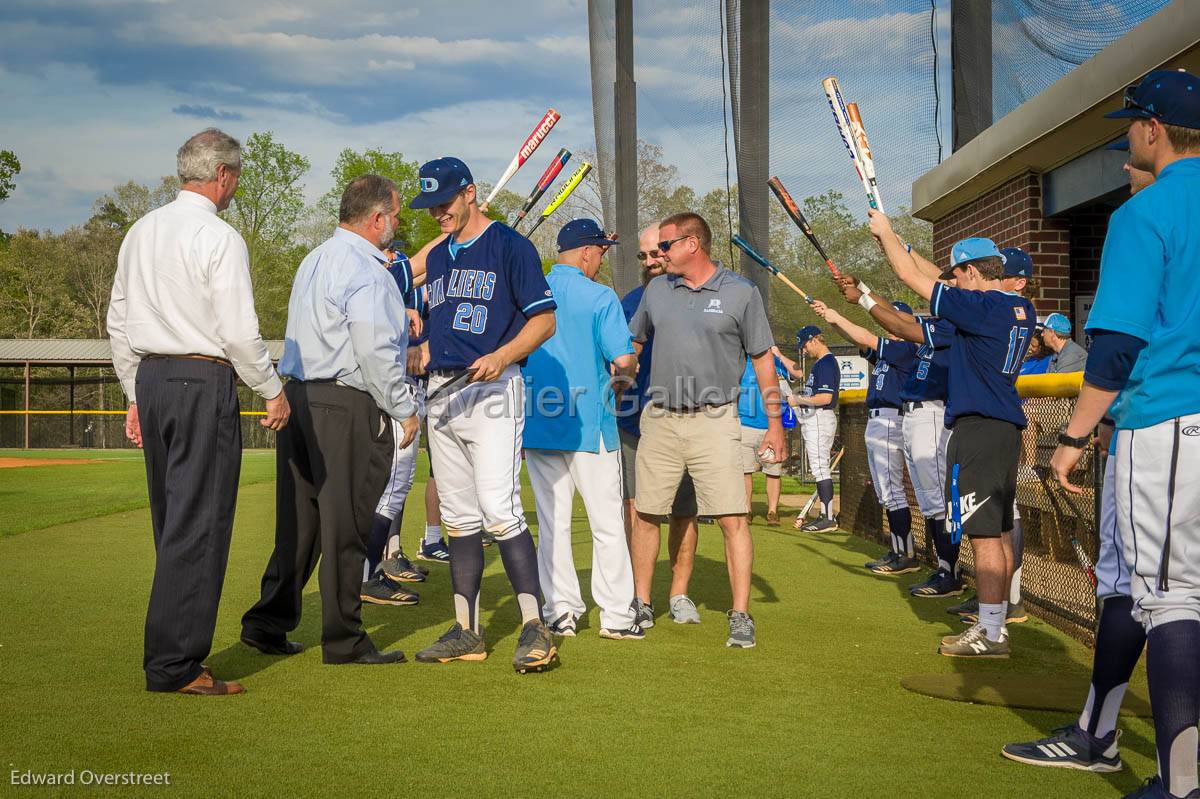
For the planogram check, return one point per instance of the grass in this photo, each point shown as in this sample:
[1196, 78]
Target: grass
[815, 710]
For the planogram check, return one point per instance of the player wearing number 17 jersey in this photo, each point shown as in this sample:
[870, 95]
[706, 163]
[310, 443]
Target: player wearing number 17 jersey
[489, 308]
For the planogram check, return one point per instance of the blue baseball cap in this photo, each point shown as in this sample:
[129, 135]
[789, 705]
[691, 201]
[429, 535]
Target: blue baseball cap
[1121, 144]
[903, 307]
[973, 249]
[1059, 323]
[1017, 262]
[441, 180]
[806, 334]
[1170, 96]
[581, 233]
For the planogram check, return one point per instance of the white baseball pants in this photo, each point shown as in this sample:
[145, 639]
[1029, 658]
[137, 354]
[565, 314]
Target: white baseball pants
[555, 476]
[818, 431]
[885, 456]
[1112, 570]
[925, 439]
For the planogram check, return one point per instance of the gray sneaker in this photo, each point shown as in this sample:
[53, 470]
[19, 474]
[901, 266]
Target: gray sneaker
[683, 610]
[974, 644]
[643, 613]
[455, 644]
[741, 630]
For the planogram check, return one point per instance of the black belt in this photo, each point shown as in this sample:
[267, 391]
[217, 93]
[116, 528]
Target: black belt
[700, 409]
[209, 358]
[912, 406]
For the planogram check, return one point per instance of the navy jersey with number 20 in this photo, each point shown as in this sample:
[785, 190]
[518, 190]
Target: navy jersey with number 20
[993, 331]
[480, 293]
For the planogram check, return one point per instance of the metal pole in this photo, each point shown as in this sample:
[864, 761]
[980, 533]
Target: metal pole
[27, 405]
[752, 135]
[71, 370]
[624, 259]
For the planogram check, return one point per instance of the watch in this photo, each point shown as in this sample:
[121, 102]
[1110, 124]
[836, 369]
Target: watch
[1074, 443]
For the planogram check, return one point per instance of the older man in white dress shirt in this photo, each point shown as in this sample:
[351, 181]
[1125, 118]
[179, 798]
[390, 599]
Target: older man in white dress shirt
[181, 321]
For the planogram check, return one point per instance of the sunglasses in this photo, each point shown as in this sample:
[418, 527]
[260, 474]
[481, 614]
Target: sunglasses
[643, 255]
[1131, 103]
[665, 246]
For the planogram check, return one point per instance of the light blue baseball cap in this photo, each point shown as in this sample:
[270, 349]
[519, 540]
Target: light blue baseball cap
[973, 249]
[1059, 323]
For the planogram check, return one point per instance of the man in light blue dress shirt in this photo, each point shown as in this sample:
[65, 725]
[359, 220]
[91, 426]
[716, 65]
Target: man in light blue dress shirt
[345, 352]
[571, 438]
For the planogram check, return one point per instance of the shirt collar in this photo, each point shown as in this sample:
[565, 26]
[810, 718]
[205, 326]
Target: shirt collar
[359, 243]
[712, 284]
[1183, 164]
[197, 200]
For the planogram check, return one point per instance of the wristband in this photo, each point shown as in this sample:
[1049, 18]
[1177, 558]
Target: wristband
[867, 302]
[1072, 442]
[863, 287]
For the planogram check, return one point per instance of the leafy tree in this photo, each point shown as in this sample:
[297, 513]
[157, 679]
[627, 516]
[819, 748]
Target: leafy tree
[10, 167]
[33, 285]
[129, 202]
[415, 226]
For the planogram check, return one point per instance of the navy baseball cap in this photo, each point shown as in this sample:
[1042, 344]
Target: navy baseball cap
[581, 233]
[806, 334]
[1059, 323]
[973, 249]
[1170, 96]
[903, 307]
[1121, 144]
[1017, 262]
[441, 180]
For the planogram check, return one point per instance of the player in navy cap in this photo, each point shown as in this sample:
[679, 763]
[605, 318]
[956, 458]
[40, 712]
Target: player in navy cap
[818, 420]
[489, 308]
[992, 331]
[892, 362]
[1146, 357]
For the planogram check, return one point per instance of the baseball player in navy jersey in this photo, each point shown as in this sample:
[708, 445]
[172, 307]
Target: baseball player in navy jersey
[1090, 744]
[1144, 370]
[892, 362]
[489, 308]
[923, 403]
[817, 409]
[992, 331]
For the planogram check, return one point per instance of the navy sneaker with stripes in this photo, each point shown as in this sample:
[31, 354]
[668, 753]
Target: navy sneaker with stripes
[1070, 747]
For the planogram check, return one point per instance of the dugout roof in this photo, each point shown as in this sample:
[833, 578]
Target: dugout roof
[1064, 126]
[72, 351]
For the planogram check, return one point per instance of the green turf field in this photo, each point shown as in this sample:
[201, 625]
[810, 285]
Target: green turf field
[816, 710]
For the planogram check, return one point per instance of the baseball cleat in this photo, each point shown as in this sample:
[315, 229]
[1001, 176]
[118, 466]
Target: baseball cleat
[939, 584]
[968, 607]
[819, 524]
[1153, 788]
[901, 564]
[1070, 747]
[872, 565]
[630, 633]
[974, 644]
[455, 644]
[741, 630]
[643, 613]
[564, 625]
[683, 610]
[487, 539]
[379, 590]
[535, 649]
[400, 569]
[435, 553]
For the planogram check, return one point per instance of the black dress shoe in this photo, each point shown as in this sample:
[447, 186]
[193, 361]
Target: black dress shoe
[286, 648]
[376, 658]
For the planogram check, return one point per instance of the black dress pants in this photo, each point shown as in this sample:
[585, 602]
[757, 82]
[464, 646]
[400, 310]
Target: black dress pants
[192, 437]
[332, 463]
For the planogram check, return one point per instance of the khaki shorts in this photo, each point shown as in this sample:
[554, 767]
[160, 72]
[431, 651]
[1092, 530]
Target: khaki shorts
[751, 441]
[707, 444]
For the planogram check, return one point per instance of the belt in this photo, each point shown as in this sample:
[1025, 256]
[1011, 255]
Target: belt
[209, 358]
[877, 412]
[700, 409]
[909, 407]
[450, 373]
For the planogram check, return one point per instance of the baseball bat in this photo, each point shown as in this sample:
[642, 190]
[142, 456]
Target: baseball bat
[864, 151]
[528, 147]
[793, 211]
[543, 183]
[833, 93]
[765, 264]
[808, 505]
[453, 386]
[564, 192]
[1080, 553]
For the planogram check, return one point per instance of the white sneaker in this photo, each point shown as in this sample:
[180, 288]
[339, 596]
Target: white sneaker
[683, 610]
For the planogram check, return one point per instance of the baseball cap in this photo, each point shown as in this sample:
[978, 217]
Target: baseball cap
[806, 334]
[973, 249]
[1121, 144]
[1059, 323]
[1170, 96]
[1017, 262]
[582, 232]
[903, 307]
[441, 180]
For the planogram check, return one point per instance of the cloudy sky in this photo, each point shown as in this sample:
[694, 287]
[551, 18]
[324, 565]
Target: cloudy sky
[97, 92]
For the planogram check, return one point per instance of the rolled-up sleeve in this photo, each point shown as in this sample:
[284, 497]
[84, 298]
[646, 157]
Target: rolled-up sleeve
[379, 336]
[236, 320]
[125, 360]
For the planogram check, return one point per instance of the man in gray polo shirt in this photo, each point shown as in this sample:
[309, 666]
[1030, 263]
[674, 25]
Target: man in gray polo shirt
[705, 321]
[1066, 355]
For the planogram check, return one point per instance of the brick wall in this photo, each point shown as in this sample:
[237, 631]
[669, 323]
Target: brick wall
[1011, 215]
[1088, 229]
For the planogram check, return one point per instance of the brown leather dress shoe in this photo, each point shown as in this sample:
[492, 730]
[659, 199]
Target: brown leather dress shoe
[207, 685]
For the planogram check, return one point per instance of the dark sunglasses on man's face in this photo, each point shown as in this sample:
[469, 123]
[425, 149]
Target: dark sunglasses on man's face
[1130, 102]
[665, 246]
[643, 255]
